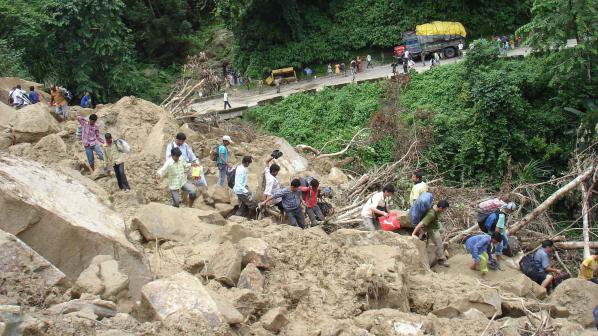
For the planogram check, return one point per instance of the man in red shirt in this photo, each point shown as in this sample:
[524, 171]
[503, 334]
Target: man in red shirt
[311, 202]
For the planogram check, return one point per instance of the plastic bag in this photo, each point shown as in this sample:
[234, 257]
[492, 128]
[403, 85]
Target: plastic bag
[390, 222]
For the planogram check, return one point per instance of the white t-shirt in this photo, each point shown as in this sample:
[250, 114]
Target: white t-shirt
[377, 200]
[407, 53]
[225, 96]
[460, 46]
[369, 58]
[272, 185]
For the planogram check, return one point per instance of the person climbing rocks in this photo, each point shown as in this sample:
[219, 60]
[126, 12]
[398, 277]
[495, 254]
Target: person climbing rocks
[310, 201]
[588, 270]
[419, 186]
[497, 222]
[85, 100]
[377, 206]
[175, 168]
[246, 201]
[114, 158]
[222, 161]
[272, 185]
[33, 95]
[91, 139]
[429, 224]
[226, 102]
[536, 266]
[187, 152]
[480, 247]
[291, 202]
[60, 103]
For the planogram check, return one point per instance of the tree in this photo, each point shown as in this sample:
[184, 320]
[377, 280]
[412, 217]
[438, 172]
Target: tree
[93, 49]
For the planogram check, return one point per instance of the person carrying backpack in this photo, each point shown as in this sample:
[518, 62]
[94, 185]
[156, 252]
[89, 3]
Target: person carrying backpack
[536, 266]
[429, 223]
[114, 158]
[59, 102]
[222, 160]
[376, 207]
[311, 202]
[497, 222]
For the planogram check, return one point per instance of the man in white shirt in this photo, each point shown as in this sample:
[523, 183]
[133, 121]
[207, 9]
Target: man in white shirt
[226, 103]
[369, 62]
[272, 185]
[461, 46]
[245, 198]
[377, 206]
[407, 54]
[19, 98]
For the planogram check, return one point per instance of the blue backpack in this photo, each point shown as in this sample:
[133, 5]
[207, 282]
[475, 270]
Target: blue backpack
[422, 204]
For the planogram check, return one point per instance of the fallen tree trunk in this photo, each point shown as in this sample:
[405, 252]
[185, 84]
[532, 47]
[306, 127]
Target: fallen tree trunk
[575, 245]
[550, 200]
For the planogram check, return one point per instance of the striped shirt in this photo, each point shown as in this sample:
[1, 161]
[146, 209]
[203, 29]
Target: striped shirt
[291, 200]
[90, 134]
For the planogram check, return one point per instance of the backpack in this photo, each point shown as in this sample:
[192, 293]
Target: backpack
[67, 94]
[420, 207]
[527, 264]
[482, 217]
[122, 146]
[215, 153]
[230, 175]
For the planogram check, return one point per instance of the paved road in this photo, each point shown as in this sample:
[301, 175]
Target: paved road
[249, 98]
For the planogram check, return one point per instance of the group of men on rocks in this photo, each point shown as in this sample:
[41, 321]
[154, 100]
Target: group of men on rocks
[486, 248]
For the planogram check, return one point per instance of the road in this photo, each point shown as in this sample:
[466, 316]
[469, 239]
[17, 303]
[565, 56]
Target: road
[239, 97]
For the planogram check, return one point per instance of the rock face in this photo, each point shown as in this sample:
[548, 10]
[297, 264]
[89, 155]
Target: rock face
[164, 222]
[275, 319]
[579, 297]
[103, 278]
[33, 123]
[7, 116]
[459, 294]
[183, 293]
[225, 265]
[255, 250]
[61, 219]
[16, 256]
[251, 278]
[98, 307]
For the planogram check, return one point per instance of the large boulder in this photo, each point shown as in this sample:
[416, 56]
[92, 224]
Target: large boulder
[458, 295]
[7, 116]
[256, 251]
[98, 307]
[579, 297]
[184, 293]
[251, 278]
[275, 319]
[164, 222]
[16, 256]
[103, 278]
[225, 265]
[60, 218]
[32, 123]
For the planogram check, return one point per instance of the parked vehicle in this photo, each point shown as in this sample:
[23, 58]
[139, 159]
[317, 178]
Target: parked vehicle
[437, 36]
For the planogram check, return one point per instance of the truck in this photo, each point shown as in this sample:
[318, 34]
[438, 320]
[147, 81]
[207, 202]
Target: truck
[438, 36]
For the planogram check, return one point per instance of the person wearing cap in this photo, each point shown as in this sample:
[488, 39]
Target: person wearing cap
[501, 226]
[222, 161]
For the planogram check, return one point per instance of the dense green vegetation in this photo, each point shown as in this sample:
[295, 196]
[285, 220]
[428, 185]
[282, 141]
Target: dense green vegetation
[278, 33]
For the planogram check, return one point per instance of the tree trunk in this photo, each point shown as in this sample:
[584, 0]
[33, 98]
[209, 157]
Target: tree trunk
[550, 200]
[585, 209]
[575, 245]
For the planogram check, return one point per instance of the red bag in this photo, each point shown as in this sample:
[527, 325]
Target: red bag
[390, 222]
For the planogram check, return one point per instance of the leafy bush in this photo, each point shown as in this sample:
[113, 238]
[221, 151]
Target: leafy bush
[326, 119]
[11, 61]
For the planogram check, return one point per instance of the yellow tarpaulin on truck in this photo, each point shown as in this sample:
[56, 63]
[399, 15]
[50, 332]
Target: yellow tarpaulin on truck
[441, 28]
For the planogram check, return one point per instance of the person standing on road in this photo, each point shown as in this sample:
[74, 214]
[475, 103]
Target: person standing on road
[337, 69]
[277, 84]
[222, 161]
[226, 102]
[329, 70]
[460, 52]
[369, 64]
[407, 54]
[394, 68]
[90, 136]
[405, 65]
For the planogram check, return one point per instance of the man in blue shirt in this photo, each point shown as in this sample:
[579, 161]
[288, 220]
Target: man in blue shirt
[541, 266]
[480, 247]
[222, 161]
[291, 202]
[86, 100]
[33, 95]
